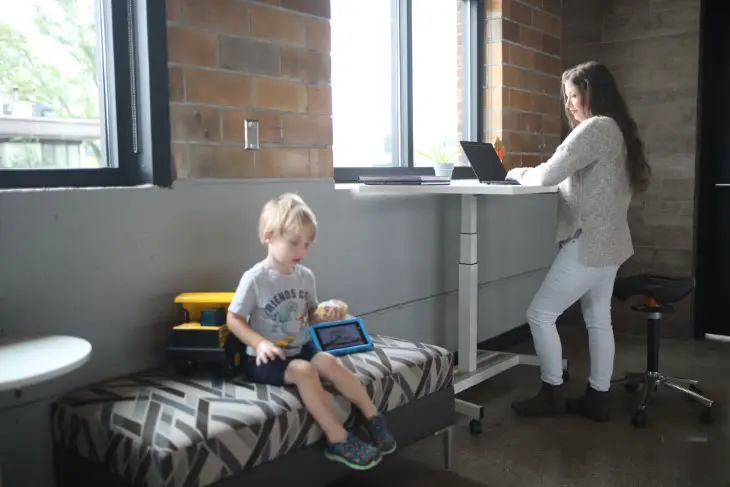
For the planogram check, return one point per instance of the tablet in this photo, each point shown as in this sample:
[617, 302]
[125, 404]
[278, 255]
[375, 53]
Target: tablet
[341, 337]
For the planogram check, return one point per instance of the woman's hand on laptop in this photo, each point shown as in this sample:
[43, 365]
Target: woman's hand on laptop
[517, 173]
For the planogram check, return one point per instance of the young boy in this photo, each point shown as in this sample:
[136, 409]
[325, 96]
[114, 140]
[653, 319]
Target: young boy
[271, 311]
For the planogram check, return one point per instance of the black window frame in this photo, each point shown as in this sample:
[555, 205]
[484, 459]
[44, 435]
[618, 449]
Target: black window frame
[473, 114]
[138, 81]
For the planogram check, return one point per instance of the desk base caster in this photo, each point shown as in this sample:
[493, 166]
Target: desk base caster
[475, 427]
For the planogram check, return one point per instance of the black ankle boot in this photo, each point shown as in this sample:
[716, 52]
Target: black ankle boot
[593, 405]
[548, 402]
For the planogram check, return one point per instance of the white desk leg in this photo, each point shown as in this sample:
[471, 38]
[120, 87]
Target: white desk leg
[468, 285]
[467, 373]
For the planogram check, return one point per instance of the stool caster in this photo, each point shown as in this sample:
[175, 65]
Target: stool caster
[639, 418]
[707, 416]
[475, 427]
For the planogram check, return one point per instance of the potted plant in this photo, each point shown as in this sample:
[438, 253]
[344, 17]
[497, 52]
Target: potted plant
[442, 158]
[499, 148]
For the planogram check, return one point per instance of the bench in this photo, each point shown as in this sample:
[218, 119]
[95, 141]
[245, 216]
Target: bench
[159, 429]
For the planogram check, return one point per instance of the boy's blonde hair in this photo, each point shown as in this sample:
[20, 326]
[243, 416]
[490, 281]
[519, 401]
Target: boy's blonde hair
[287, 213]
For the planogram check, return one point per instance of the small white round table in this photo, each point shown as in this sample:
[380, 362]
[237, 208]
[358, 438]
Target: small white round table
[30, 359]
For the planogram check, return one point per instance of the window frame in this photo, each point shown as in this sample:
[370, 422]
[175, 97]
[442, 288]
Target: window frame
[141, 143]
[472, 93]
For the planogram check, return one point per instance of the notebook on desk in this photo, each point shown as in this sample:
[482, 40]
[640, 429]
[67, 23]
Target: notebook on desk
[406, 180]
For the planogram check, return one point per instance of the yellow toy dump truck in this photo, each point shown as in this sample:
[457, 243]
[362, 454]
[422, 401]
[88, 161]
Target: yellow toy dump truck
[203, 337]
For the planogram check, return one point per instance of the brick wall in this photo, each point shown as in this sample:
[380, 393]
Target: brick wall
[652, 48]
[233, 60]
[523, 62]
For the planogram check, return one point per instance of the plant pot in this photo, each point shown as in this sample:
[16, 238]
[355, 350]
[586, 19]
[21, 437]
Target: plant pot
[443, 170]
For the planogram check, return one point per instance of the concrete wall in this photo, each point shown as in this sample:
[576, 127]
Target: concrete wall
[106, 264]
[652, 47]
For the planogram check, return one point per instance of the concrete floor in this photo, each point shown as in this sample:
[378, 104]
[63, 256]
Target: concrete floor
[674, 449]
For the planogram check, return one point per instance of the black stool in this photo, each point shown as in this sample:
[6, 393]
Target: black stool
[659, 292]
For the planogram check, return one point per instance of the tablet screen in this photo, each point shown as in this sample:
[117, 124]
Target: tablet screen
[340, 336]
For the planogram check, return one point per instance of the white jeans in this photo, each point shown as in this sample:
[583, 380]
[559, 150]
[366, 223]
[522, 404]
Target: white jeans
[567, 281]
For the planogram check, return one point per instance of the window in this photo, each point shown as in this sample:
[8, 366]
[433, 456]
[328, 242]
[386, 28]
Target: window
[405, 84]
[75, 104]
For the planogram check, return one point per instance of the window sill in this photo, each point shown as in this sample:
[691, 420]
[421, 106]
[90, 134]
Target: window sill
[60, 189]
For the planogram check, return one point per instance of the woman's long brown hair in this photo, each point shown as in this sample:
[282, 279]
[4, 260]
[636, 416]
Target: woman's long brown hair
[601, 96]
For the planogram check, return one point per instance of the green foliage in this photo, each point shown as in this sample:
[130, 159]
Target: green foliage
[59, 69]
[439, 155]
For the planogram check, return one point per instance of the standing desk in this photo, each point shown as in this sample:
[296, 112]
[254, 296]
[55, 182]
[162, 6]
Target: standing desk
[474, 365]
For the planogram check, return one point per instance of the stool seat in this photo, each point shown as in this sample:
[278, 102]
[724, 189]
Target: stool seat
[662, 289]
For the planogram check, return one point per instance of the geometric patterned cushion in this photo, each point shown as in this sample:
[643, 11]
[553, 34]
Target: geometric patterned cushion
[160, 429]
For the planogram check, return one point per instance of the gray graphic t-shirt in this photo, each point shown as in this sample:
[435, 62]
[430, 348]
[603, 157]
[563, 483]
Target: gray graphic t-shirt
[277, 305]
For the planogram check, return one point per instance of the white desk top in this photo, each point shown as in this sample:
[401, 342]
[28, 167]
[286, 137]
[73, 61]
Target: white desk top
[27, 359]
[457, 186]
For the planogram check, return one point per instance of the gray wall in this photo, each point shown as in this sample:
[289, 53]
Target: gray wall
[652, 47]
[106, 264]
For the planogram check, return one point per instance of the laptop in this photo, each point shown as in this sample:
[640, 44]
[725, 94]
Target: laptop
[485, 163]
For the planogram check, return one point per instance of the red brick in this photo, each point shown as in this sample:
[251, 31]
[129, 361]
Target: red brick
[278, 25]
[307, 129]
[510, 31]
[551, 45]
[529, 160]
[519, 99]
[519, 56]
[551, 123]
[320, 8]
[556, 66]
[180, 160]
[542, 62]
[309, 66]
[511, 161]
[191, 123]
[227, 16]
[319, 100]
[176, 84]
[553, 6]
[519, 12]
[531, 38]
[277, 94]
[220, 161]
[321, 163]
[547, 23]
[249, 55]
[217, 88]
[319, 35]
[173, 10]
[191, 46]
[547, 104]
[542, 83]
[529, 122]
[234, 125]
[282, 163]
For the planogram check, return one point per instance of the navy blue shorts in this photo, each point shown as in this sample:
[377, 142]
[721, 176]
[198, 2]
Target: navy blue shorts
[273, 372]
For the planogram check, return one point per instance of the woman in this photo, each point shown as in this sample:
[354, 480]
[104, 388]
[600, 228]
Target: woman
[597, 168]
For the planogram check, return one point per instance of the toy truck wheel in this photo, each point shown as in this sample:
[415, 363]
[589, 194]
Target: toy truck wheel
[186, 368]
